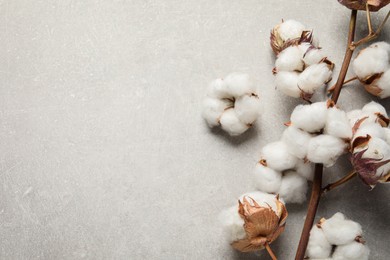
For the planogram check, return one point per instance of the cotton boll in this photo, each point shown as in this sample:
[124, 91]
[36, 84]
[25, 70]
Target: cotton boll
[290, 59]
[277, 156]
[263, 199]
[248, 108]
[213, 109]
[287, 83]
[337, 124]
[355, 115]
[238, 84]
[384, 84]
[233, 224]
[293, 188]
[371, 129]
[352, 251]
[374, 107]
[231, 124]
[290, 29]
[339, 231]
[318, 246]
[378, 149]
[296, 141]
[305, 169]
[372, 60]
[218, 89]
[313, 56]
[325, 149]
[314, 77]
[267, 179]
[310, 118]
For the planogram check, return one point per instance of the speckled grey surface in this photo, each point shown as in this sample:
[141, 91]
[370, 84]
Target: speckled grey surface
[103, 151]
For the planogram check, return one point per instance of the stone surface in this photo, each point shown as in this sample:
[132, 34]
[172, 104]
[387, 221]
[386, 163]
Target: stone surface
[103, 152]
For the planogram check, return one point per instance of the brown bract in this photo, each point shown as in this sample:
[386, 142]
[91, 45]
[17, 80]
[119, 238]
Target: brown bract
[278, 44]
[262, 224]
[373, 5]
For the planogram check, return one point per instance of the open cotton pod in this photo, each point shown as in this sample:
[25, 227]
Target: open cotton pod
[232, 103]
[258, 220]
[372, 67]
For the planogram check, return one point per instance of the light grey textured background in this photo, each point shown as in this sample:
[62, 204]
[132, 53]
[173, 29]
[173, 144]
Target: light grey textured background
[103, 153]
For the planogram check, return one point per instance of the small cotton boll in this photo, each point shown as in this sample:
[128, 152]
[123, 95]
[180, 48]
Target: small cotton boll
[296, 141]
[248, 108]
[377, 149]
[263, 199]
[313, 56]
[372, 60]
[305, 169]
[290, 59]
[337, 124]
[287, 83]
[231, 124]
[325, 149]
[384, 84]
[314, 77]
[351, 251]
[218, 89]
[238, 84]
[310, 118]
[290, 29]
[374, 107]
[233, 224]
[339, 231]
[318, 246]
[293, 188]
[213, 109]
[277, 156]
[267, 179]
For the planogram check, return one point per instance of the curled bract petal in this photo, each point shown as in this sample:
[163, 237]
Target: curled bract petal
[373, 5]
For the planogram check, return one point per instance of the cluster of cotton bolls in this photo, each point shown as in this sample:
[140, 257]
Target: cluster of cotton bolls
[370, 145]
[337, 238]
[286, 165]
[372, 67]
[232, 103]
[301, 66]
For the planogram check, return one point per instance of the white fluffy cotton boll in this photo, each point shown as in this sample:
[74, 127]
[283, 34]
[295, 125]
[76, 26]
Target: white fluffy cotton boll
[372, 60]
[290, 59]
[318, 246]
[351, 251]
[355, 115]
[290, 29]
[305, 169]
[239, 84]
[248, 108]
[310, 118]
[337, 124]
[231, 124]
[339, 231]
[313, 56]
[377, 149]
[263, 199]
[267, 179]
[217, 89]
[384, 84]
[287, 83]
[293, 188]
[297, 141]
[314, 77]
[277, 156]
[325, 149]
[233, 224]
[213, 109]
[374, 107]
[371, 129]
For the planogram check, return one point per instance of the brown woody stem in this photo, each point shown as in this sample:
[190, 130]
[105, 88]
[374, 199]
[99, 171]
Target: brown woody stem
[317, 182]
[335, 184]
[331, 89]
[270, 252]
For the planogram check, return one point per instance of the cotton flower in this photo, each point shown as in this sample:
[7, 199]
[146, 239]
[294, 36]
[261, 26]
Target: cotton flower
[310, 118]
[276, 156]
[372, 67]
[305, 169]
[337, 124]
[267, 179]
[297, 141]
[232, 103]
[263, 216]
[337, 234]
[293, 188]
[325, 149]
[374, 5]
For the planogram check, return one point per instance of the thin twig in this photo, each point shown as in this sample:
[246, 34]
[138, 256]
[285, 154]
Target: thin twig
[317, 182]
[270, 252]
[331, 89]
[343, 180]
